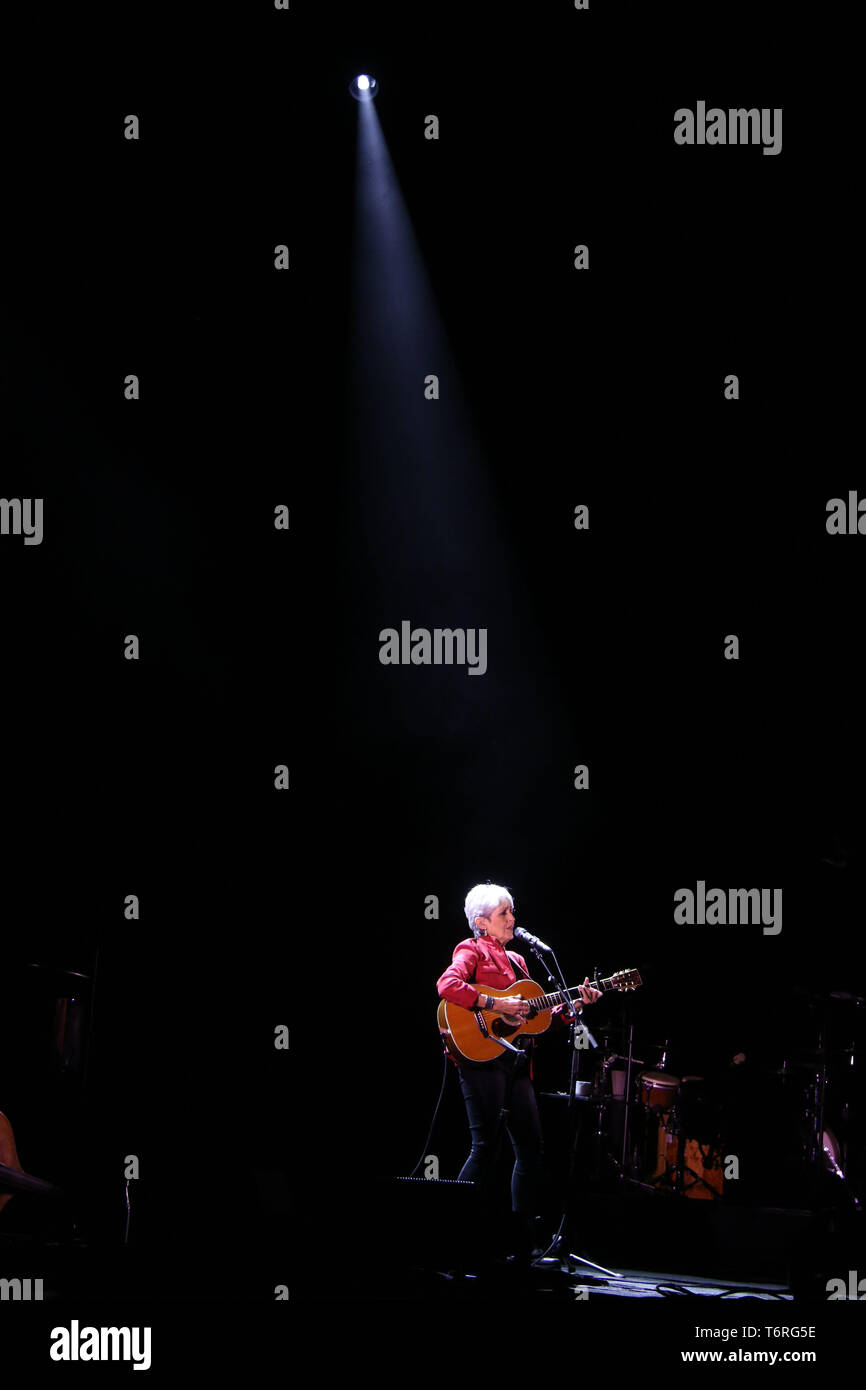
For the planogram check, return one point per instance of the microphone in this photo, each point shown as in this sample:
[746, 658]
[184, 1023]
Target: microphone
[532, 940]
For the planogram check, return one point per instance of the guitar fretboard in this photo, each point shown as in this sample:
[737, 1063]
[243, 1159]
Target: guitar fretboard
[565, 996]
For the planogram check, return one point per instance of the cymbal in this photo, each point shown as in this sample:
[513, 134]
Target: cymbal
[790, 1067]
[57, 983]
[824, 995]
[14, 1180]
[822, 1054]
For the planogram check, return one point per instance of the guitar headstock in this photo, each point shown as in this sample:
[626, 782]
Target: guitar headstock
[625, 980]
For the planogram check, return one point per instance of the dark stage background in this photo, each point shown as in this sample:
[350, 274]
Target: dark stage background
[259, 647]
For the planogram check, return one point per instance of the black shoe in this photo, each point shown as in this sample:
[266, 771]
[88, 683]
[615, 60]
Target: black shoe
[525, 1238]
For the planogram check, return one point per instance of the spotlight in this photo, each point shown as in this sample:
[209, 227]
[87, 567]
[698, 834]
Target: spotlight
[364, 87]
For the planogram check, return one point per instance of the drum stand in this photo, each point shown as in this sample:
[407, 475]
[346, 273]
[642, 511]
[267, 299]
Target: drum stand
[819, 1153]
[627, 1099]
[621, 1164]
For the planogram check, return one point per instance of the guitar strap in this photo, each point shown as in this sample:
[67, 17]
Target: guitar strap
[522, 975]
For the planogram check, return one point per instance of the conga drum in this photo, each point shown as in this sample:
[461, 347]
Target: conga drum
[699, 1131]
[658, 1089]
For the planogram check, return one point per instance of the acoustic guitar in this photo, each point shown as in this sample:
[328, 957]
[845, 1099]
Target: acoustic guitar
[470, 1034]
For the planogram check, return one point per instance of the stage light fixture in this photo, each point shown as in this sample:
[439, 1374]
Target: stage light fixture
[363, 87]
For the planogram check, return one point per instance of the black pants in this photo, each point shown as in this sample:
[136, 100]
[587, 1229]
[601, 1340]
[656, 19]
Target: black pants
[488, 1089]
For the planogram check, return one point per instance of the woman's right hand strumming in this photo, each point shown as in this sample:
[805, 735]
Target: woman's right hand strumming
[513, 1009]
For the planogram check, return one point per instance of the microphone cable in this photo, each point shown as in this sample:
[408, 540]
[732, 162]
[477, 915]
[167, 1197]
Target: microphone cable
[445, 1060]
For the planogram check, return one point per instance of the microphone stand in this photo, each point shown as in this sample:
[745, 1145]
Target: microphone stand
[556, 1249]
[627, 1102]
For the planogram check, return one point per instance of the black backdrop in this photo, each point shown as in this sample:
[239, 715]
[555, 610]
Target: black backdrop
[259, 647]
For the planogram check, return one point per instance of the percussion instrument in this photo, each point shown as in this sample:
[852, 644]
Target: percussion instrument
[658, 1089]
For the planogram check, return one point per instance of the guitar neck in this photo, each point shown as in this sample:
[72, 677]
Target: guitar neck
[565, 996]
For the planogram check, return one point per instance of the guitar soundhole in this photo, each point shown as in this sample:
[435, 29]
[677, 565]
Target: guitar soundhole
[503, 1029]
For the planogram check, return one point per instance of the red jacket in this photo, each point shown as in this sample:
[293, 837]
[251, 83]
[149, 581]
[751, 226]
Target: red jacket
[484, 961]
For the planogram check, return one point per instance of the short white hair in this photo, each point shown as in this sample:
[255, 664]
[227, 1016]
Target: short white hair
[481, 901]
